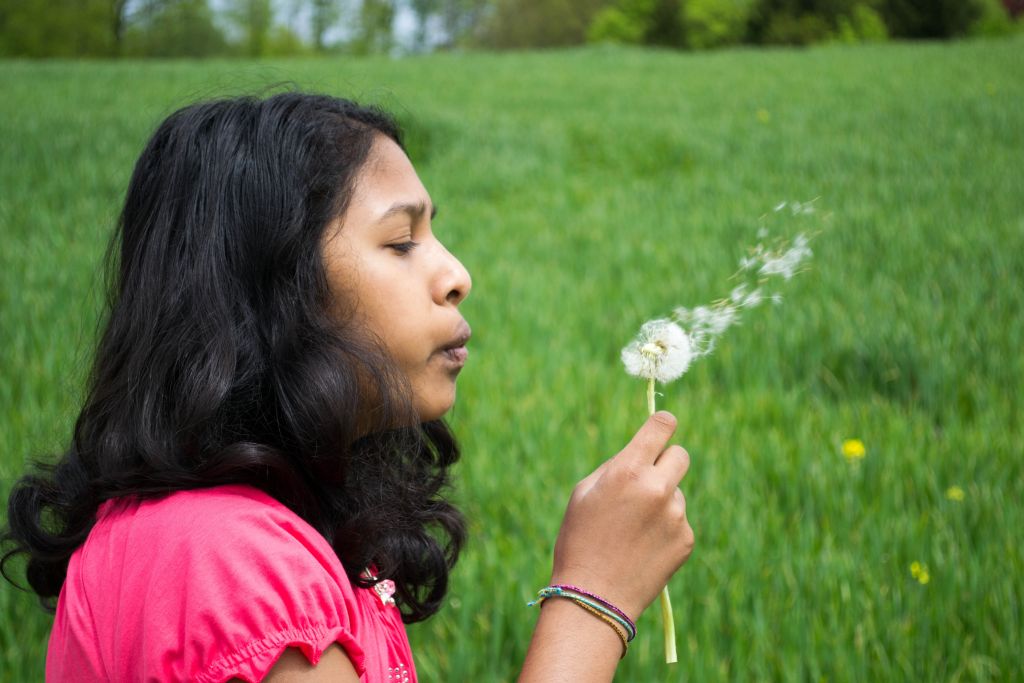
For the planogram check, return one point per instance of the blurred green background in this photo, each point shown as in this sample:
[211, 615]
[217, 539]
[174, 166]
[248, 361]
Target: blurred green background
[588, 190]
[276, 28]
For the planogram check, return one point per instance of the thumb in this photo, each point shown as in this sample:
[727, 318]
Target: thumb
[652, 438]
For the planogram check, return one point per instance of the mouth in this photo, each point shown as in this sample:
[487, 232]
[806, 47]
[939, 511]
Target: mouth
[455, 352]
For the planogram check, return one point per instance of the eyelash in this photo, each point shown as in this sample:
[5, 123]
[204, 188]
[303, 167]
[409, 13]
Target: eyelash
[404, 247]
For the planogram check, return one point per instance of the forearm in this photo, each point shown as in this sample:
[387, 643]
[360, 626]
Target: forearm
[570, 644]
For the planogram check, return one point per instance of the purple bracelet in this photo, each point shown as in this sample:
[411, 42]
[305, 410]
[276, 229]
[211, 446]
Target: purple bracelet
[577, 589]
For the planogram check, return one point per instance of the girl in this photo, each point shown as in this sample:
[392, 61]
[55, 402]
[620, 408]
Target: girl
[254, 487]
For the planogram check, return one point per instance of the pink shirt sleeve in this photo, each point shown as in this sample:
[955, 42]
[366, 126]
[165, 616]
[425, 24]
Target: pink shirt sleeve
[209, 585]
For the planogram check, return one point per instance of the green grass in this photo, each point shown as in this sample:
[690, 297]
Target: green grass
[588, 191]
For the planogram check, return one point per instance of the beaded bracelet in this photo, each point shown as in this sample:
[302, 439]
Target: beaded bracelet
[599, 607]
[577, 589]
[602, 605]
[627, 626]
[611, 622]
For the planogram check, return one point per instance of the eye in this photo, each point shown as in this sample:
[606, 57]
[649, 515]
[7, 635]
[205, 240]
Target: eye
[403, 247]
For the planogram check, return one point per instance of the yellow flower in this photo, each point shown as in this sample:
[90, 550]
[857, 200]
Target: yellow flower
[955, 493]
[920, 572]
[853, 449]
[763, 116]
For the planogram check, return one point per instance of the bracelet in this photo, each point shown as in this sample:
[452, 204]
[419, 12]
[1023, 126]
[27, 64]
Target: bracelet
[577, 589]
[611, 622]
[623, 626]
[602, 605]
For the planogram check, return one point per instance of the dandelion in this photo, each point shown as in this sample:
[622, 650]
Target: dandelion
[853, 450]
[920, 572]
[661, 351]
[665, 348]
[955, 493]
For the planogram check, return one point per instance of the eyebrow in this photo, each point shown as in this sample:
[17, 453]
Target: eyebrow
[414, 210]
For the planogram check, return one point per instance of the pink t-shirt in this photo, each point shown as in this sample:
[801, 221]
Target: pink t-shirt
[209, 585]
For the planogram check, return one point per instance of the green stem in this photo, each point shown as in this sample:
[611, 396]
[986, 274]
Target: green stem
[667, 622]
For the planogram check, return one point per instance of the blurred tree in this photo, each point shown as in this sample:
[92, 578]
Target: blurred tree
[617, 24]
[423, 10]
[323, 15]
[374, 36]
[665, 27]
[174, 28]
[931, 18]
[539, 23]
[118, 22]
[462, 20]
[56, 28]
[715, 23]
[863, 25]
[253, 19]
[995, 19]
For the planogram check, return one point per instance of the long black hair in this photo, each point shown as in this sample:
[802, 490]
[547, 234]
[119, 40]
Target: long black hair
[224, 357]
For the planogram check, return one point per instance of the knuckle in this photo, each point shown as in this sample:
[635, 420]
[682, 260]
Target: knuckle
[630, 473]
[689, 539]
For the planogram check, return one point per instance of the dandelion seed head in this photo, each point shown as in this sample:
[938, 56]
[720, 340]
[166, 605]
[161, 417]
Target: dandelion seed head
[662, 350]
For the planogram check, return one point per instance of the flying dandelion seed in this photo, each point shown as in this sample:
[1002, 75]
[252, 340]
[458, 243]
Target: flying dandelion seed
[665, 348]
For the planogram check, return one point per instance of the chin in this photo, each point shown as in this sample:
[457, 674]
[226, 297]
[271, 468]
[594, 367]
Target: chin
[436, 406]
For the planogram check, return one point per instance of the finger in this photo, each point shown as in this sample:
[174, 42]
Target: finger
[648, 443]
[674, 463]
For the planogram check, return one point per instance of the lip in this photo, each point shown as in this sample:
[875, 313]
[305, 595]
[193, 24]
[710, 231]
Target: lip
[455, 353]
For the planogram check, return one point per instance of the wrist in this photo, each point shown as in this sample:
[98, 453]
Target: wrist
[571, 618]
[595, 586]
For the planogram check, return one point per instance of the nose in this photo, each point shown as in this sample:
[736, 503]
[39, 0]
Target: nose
[455, 281]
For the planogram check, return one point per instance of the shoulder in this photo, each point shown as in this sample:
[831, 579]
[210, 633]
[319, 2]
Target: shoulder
[194, 528]
[204, 513]
[225, 577]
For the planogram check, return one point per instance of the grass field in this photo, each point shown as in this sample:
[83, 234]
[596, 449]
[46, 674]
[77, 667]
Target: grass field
[588, 191]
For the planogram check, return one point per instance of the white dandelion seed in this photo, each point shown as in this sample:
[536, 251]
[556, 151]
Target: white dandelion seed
[787, 262]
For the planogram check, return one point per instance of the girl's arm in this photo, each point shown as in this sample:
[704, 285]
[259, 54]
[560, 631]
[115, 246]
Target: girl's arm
[624, 534]
[569, 644]
[293, 667]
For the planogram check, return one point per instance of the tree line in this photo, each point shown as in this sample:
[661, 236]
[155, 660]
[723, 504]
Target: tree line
[259, 28]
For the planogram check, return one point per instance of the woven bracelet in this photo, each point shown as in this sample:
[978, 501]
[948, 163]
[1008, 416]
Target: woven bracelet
[609, 619]
[596, 605]
[603, 606]
[626, 625]
[581, 591]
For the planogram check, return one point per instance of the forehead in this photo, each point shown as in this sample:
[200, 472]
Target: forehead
[388, 175]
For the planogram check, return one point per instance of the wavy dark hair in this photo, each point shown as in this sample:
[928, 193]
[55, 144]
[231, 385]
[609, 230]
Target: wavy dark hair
[225, 358]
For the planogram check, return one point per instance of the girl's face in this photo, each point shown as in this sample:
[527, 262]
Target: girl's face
[383, 257]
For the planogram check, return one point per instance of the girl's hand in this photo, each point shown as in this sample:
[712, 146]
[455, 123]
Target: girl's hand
[625, 531]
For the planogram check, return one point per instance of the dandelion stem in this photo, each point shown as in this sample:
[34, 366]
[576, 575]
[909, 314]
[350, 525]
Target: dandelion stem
[668, 623]
[650, 396]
